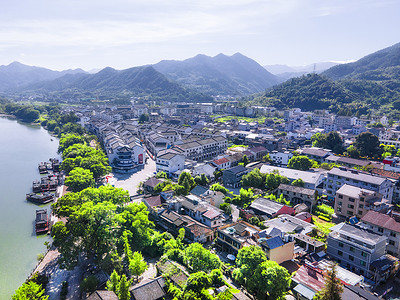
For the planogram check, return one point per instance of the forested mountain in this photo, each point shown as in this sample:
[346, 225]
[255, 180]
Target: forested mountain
[139, 82]
[371, 83]
[16, 75]
[375, 62]
[234, 75]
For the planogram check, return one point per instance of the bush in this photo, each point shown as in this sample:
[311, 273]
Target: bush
[89, 284]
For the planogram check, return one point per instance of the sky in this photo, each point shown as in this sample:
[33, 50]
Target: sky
[93, 34]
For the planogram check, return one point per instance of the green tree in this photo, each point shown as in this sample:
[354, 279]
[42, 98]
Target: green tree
[201, 180]
[352, 152]
[186, 180]
[69, 140]
[245, 160]
[143, 118]
[298, 182]
[51, 125]
[319, 140]
[137, 265]
[273, 180]
[30, 290]
[368, 144]
[113, 282]
[334, 142]
[333, 288]
[201, 259]
[79, 179]
[300, 162]
[217, 187]
[162, 174]
[254, 179]
[267, 158]
[226, 207]
[123, 288]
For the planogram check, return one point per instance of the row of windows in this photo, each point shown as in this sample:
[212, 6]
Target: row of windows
[351, 257]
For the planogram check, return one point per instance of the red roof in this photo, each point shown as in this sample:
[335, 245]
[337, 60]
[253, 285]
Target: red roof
[211, 214]
[310, 277]
[220, 161]
[386, 173]
[381, 220]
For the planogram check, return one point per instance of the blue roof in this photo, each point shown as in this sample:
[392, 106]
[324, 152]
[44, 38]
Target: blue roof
[304, 291]
[198, 190]
[274, 242]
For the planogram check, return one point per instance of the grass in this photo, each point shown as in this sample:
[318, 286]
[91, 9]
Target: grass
[228, 118]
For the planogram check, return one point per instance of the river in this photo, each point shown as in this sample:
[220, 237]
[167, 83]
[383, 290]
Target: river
[22, 147]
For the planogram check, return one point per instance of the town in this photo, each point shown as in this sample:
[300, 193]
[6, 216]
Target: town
[309, 190]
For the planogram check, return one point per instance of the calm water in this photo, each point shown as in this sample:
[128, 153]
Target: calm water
[22, 147]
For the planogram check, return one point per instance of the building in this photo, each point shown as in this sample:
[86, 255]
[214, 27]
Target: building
[258, 152]
[204, 148]
[297, 195]
[337, 177]
[280, 158]
[355, 248]
[149, 289]
[270, 209]
[170, 162]
[354, 201]
[232, 177]
[222, 163]
[312, 180]
[232, 237]
[276, 249]
[316, 154]
[385, 225]
[289, 224]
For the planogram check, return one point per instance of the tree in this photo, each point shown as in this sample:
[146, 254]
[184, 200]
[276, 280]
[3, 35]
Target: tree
[79, 179]
[245, 160]
[69, 140]
[162, 174]
[253, 179]
[334, 142]
[368, 144]
[298, 182]
[226, 207]
[333, 288]
[30, 290]
[143, 118]
[352, 152]
[201, 259]
[300, 162]
[267, 158]
[137, 265]
[51, 125]
[219, 188]
[273, 180]
[113, 282]
[123, 288]
[319, 140]
[201, 180]
[186, 180]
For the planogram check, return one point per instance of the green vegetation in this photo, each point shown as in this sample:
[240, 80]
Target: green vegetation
[368, 145]
[259, 275]
[219, 188]
[79, 179]
[301, 162]
[298, 182]
[201, 180]
[332, 141]
[225, 119]
[333, 287]
[321, 230]
[30, 290]
[324, 212]
[227, 208]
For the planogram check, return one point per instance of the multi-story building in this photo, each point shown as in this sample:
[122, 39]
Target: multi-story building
[280, 158]
[337, 177]
[355, 248]
[170, 162]
[297, 195]
[385, 225]
[316, 154]
[232, 177]
[354, 201]
[201, 149]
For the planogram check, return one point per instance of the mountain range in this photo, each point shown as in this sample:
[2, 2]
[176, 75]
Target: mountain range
[371, 83]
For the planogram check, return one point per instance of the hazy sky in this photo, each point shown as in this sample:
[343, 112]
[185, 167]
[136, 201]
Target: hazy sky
[61, 34]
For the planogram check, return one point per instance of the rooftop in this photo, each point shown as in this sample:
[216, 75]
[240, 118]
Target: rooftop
[381, 220]
[355, 175]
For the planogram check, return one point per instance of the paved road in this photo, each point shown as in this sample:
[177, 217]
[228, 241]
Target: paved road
[130, 182]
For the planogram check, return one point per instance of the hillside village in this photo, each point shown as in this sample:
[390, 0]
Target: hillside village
[334, 205]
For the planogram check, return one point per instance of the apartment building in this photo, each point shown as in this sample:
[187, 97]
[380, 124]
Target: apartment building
[385, 225]
[200, 149]
[337, 177]
[355, 248]
[354, 201]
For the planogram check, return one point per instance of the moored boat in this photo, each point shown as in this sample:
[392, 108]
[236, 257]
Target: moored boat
[40, 198]
[42, 221]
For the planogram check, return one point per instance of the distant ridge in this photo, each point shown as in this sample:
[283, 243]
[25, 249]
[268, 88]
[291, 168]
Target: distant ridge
[235, 75]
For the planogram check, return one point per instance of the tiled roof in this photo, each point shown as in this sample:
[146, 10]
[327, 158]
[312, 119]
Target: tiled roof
[152, 182]
[220, 161]
[273, 242]
[381, 220]
[310, 277]
[154, 201]
[151, 290]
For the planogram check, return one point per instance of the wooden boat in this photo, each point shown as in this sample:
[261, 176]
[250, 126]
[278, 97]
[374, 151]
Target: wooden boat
[42, 221]
[40, 198]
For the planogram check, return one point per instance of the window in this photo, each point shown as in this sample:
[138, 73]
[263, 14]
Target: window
[350, 206]
[339, 209]
[340, 203]
[391, 242]
[362, 199]
[352, 249]
[360, 212]
[351, 257]
[340, 253]
[340, 244]
[351, 199]
[360, 206]
[380, 229]
[349, 212]
[340, 196]
[338, 183]
[393, 234]
[363, 263]
[363, 254]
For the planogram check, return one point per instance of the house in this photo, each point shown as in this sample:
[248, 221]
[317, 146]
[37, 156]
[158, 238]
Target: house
[355, 248]
[232, 177]
[312, 180]
[102, 295]
[258, 152]
[289, 224]
[150, 184]
[280, 158]
[149, 289]
[206, 169]
[337, 177]
[297, 195]
[222, 163]
[170, 162]
[276, 249]
[308, 243]
[354, 201]
[317, 154]
[270, 208]
[309, 281]
[304, 216]
[385, 225]
[232, 237]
